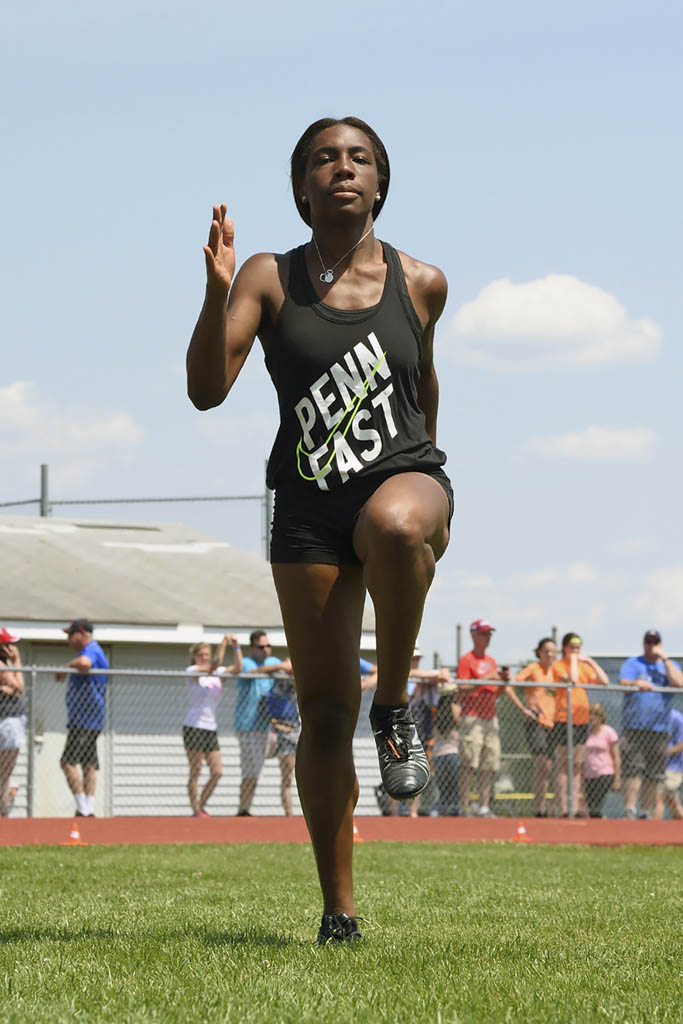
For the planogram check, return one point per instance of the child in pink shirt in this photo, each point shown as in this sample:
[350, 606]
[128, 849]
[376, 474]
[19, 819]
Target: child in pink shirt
[602, 761]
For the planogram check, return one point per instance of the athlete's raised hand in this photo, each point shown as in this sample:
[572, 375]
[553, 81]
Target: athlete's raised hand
[220, 252]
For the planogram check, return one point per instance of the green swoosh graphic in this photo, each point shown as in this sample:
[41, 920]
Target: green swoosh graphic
[351, 408]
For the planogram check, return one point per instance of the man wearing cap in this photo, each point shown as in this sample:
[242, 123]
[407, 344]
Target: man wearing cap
[646, 723]
[85, 709]
[479, 738]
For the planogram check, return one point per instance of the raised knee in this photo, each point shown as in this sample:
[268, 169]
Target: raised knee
[395, 530]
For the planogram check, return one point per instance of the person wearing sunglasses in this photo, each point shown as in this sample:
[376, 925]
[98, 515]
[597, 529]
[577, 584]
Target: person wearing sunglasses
[251, 716]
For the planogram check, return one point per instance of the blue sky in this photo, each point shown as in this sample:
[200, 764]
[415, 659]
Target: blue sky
[533, 150]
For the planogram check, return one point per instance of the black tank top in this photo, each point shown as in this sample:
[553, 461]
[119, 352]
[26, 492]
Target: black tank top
[346, 382]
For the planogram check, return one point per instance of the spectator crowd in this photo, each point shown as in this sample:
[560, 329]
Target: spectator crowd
[576, 757]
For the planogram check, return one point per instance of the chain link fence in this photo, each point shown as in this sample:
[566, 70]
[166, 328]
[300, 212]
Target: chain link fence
[172, 743]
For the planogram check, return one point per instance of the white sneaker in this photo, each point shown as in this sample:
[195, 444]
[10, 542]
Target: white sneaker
[484, 812]
[630, 813]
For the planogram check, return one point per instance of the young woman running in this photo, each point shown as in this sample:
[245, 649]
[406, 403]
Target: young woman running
[361, 500]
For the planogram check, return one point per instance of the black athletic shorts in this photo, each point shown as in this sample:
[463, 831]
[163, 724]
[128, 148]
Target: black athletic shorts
[81, 746]
[558, 736]
[645, 753]
[537, 738]
[316, 527]
[205, 740]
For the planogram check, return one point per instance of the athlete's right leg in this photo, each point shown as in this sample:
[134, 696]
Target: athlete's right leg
[322, 609]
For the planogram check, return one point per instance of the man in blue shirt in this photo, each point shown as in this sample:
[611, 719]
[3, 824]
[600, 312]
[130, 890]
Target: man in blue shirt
[645, 722]
[85, 710]
[251, 717]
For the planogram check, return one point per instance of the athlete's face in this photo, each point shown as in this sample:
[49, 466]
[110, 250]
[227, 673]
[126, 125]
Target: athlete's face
[341, 173]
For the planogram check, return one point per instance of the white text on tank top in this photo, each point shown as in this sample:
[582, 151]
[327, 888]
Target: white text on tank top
[344, 414]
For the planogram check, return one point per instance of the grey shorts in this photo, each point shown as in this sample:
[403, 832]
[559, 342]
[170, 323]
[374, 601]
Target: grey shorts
[645, 753]
[252, 753]
[12, 732]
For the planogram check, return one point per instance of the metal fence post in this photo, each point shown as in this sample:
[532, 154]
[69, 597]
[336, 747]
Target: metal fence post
[31, 750]
[570, 753]
[109, 778]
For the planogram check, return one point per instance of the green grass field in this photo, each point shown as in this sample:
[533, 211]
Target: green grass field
[457, 933]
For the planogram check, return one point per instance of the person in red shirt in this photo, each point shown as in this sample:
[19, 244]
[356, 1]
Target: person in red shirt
[479, 737]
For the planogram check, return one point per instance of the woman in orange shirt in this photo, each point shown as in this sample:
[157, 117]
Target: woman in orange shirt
[579, 671]
[539, 733]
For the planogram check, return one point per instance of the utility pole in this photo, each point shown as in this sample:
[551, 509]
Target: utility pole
[44, 503]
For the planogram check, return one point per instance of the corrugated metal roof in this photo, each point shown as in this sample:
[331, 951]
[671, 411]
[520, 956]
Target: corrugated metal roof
[52, 570]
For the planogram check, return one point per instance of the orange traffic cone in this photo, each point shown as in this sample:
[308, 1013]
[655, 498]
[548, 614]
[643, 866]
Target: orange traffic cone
[356, 834]
[520, 835]
[74, 837]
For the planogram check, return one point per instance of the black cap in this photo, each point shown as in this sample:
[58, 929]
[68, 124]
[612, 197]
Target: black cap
[653, 636]
[79, 626]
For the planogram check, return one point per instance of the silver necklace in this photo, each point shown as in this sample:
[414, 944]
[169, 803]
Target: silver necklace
[327, 276]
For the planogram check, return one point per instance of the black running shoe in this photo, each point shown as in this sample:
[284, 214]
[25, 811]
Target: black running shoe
[403, 763]
[338, 928]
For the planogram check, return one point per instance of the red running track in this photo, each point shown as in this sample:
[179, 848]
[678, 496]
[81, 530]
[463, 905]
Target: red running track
[142, 831]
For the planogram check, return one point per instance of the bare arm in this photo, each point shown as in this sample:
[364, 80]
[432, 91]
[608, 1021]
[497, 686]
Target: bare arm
[428, 290]
[11, 683]
[12, 680]
[82, 663]
[616, 757]
[673, 674]
[640, 684]
[236, 667]
[269, 670]
[428, 384]
[230, 317]
[509, 692]
[600, 674]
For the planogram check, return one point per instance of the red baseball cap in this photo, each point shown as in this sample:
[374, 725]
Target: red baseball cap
[8, 638]
[482, 626]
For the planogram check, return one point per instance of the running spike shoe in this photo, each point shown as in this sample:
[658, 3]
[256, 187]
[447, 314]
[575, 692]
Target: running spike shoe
[403, 763]
[338, 928]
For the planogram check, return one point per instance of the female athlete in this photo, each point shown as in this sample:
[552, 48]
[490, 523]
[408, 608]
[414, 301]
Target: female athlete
[346, 323]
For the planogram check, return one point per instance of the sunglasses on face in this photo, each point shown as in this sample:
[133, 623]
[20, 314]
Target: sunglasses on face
[262, 647]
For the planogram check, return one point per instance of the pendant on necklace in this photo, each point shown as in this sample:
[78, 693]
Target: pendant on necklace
[327, 277]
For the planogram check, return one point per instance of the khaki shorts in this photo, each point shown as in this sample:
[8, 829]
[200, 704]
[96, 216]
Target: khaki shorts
[672, 781]
[252, 753]
[479, 743]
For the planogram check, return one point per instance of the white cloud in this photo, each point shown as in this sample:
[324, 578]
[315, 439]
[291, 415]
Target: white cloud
[34, 426]
[606, 444]
[577, 572]
[660, 599]
[555, 321]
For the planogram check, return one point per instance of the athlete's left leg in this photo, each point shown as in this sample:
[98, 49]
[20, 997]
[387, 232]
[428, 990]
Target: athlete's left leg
[400, 534]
